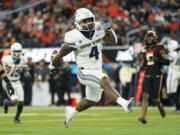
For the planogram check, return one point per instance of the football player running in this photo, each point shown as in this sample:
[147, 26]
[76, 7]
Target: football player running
[154, 56]
[14, 65]
[174, 72]
[86, 41]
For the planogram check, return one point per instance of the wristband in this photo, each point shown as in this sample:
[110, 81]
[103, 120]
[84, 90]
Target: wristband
[2, 72]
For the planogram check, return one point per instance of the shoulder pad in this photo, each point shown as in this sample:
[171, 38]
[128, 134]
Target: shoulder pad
[71, 37]
[24, 59]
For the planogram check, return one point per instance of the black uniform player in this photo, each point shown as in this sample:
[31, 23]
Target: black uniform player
[154, 57]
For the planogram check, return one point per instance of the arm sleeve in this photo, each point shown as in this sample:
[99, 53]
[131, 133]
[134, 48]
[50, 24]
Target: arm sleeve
[164, 61]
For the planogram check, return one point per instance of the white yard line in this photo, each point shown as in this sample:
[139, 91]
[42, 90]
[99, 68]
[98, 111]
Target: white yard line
[92, 119]
[92, 108]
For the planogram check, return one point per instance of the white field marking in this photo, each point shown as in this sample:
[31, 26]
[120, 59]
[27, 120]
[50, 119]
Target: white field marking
[14, 134]
[92, 108]
[119, 111]
[95, 119]
[53, 114]
[108, 129]
[24, 114]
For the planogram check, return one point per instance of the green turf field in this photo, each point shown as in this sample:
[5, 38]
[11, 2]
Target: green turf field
[96, 121]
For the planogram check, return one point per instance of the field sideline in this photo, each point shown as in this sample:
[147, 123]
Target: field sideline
[95, 121]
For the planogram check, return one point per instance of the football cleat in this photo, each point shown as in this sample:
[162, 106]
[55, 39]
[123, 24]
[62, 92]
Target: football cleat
[128, 107]
[162, 112]
[68, 116]
[142, 120]
[5, 106]
[17, 120]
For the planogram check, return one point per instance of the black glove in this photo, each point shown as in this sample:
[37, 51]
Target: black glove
[106, 24]
[53, 71]
[10, 89]
[9, 86]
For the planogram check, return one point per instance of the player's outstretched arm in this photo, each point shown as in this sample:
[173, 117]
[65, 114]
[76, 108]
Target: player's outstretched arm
[110, 35]
[66, 49]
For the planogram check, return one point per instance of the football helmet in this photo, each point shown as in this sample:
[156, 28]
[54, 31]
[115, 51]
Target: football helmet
[84, 19]
[150, 38]
[172, 45]
[16, 50]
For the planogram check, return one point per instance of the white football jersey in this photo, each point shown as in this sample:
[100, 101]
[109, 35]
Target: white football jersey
[89, 51]
[16, 69]
[174, 56]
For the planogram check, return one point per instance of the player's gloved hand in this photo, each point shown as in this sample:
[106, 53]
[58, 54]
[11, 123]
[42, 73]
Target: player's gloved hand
[106, 24]
[10, 89]
[52, 69]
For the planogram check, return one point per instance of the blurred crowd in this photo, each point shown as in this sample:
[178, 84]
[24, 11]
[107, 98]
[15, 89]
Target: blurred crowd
[44, 25]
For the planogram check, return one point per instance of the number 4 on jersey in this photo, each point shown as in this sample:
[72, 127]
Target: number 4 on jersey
[94, 52]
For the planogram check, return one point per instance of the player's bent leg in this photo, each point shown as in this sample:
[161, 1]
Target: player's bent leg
[155, 96]
[20, 98]
[115, 96]
[142, 120]
[18, 113]
[160, 108]
[70, 112]
[145, 98]
[84, 104]
[8, 103]
[5, 105]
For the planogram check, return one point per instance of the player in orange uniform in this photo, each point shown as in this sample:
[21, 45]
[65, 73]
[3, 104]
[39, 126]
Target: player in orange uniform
[154, 57]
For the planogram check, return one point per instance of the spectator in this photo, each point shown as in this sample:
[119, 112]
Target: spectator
[28, 83]
[41, 26]
[125, 75]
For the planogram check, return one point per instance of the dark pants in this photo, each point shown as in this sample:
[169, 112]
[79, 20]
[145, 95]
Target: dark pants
[152, 85]
[61, 93]
[27, 93]
[126, 89]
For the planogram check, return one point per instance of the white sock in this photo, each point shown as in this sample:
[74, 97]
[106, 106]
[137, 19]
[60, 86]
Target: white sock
[74, 112]
[121, 101]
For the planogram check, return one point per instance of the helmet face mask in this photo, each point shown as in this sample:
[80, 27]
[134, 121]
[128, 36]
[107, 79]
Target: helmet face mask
[16, 50]
[87, 24]
[150, 38]
[17, 53]
[84, 20]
